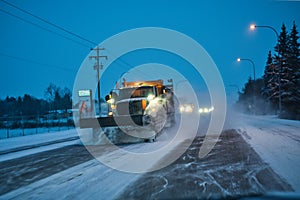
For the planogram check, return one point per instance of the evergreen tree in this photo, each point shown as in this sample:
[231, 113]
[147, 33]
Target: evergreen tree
[283, 68]
[294, 45]
[270, 81]
[281, 65]
[246, 96]
[66, 99]
[292, 85]
[251, 98]
[19, 105]
[30, 105]
[57, 100]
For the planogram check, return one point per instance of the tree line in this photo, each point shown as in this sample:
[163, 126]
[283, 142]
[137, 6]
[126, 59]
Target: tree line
[280, 82]
[56, 99]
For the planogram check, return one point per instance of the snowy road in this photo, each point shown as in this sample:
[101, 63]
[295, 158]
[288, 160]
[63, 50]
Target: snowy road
[41, 175]
[233, 168]
[71, 172]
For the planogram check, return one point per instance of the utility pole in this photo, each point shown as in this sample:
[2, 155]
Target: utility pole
[97, 67]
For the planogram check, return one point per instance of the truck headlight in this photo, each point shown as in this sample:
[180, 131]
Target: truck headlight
[150, 97]
[111, 101]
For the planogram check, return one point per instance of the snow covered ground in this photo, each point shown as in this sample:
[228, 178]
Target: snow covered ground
[90, 180]
[10, 133]
[276, 141]
[15, 142]
[21, 146]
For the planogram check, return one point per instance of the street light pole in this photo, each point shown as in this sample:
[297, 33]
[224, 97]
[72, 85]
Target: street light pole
[253, 65]
[252, 27]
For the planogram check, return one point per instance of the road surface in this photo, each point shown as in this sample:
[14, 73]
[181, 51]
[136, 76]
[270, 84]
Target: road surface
[231, 169]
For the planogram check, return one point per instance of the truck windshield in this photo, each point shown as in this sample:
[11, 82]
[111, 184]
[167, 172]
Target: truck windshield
[138, 92]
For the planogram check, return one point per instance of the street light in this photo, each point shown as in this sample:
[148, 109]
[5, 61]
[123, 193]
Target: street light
[253, 65]
[252, 27]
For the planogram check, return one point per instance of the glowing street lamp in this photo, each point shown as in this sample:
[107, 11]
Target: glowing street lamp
[253, 27]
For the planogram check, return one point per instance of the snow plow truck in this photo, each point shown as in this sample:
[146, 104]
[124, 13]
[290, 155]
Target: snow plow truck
[136, 108]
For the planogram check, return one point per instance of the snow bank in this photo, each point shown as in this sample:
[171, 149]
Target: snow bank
[15, 142]
[277, 141]
[20, 143]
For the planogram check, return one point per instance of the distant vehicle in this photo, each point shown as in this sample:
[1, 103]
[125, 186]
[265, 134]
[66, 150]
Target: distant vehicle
[190, 108]
[206, 110]
[186, 108]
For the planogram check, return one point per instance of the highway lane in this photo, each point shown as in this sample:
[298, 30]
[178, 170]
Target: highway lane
[231, 169]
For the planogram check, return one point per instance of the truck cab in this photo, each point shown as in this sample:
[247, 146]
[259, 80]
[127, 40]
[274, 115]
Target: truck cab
[143, 98]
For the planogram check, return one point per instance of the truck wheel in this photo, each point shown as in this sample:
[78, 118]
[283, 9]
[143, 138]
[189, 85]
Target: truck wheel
[151, 139]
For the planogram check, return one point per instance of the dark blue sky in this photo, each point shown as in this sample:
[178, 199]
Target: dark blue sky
[221, 27]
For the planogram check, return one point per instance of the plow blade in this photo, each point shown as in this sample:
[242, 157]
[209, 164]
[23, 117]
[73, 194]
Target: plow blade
[111, 121]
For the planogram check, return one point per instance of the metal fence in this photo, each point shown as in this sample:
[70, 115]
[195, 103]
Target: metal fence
[15, 126]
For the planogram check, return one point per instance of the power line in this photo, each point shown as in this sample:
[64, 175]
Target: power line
[45, 29]
[124, 62]
[58, 27]
[34, 24]
[35, 62]
[48, 22]
[53, 32]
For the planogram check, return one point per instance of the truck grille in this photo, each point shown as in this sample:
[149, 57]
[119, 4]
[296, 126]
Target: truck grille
[130, 108]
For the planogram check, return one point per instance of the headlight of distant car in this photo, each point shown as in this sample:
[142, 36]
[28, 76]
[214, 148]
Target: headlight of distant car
[206, 110]
[186, 108]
